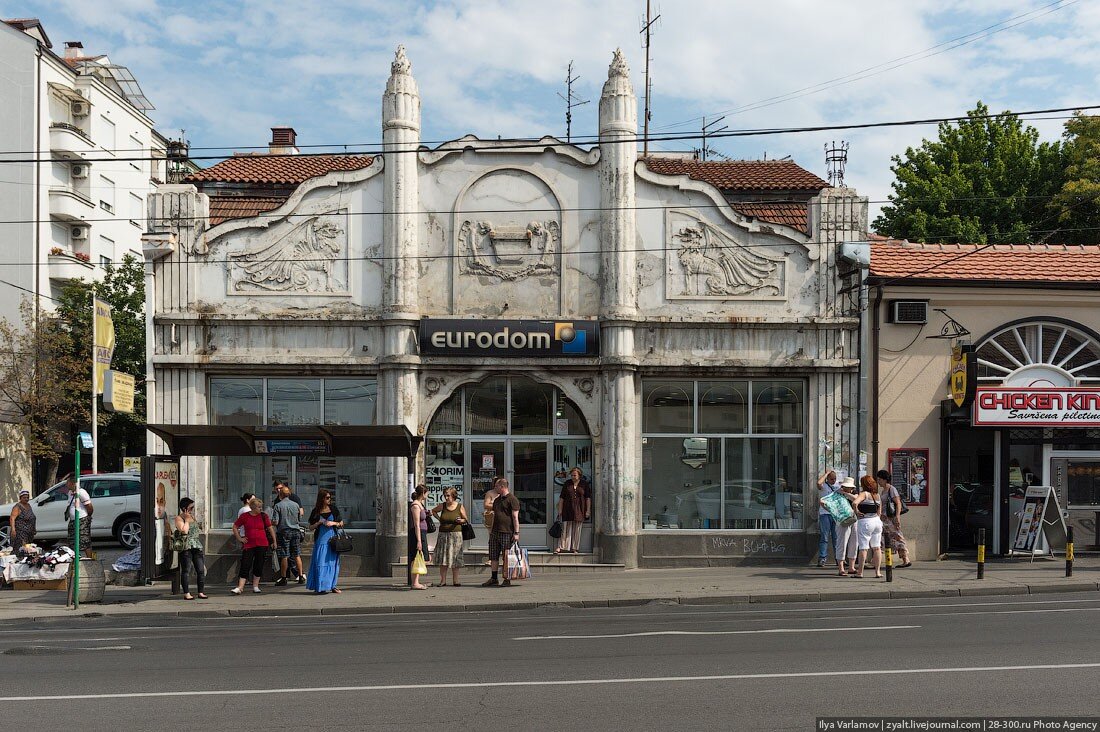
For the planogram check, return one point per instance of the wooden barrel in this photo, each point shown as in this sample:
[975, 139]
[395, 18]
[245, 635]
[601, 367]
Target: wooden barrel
[92, 581]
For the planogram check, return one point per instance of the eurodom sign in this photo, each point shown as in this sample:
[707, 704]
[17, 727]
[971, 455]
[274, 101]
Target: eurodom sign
[509, 338]
[1066, 407]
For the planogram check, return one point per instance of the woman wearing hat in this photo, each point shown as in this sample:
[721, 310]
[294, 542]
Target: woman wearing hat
[847, 538]
[22, 521]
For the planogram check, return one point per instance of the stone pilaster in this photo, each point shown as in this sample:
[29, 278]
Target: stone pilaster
[397, 386]
[619, 479]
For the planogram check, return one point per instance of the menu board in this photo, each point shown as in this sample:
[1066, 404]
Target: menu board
[1040, 515]
[908, 468]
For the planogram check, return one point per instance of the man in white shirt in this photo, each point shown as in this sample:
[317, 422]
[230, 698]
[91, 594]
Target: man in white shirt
[80, 503]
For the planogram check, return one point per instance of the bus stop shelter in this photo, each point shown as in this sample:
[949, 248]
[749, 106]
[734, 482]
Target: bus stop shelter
[190, 440]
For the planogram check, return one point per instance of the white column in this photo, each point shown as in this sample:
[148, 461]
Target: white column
[617, 499]
[397, 386]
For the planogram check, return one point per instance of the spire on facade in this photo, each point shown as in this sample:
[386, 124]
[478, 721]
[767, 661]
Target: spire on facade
[400, 63]
[618, 65]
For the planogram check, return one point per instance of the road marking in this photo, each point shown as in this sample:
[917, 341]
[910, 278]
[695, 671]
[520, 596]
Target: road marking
[561, 682]
[647, 634]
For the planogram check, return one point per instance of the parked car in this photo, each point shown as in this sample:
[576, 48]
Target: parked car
[116, 501]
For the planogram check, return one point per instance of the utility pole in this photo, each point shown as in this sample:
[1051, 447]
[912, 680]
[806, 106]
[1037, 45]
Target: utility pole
[706, 125]
[647, 29]
[571, 100]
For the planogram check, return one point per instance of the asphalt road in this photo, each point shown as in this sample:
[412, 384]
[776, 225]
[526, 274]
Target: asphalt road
[764, 667]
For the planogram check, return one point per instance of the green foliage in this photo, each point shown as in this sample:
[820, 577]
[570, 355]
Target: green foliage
[1076, 207]
[986, 179]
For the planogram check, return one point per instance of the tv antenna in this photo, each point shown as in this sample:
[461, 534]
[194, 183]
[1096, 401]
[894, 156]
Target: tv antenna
[704, 150]
[836, 159]
[647, 31]
[571, 100]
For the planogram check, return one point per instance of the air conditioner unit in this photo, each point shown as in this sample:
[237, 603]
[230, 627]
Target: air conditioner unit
[79, 170]
[81, 109]
[79, 232]
[908, 312]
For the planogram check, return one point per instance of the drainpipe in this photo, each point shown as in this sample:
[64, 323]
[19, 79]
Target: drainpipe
[154, 246]
[875, 328]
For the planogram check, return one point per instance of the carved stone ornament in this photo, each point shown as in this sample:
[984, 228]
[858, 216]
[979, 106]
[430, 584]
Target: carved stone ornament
[706, 262]
[509, 252]
[586, 385]
[433, 384]
[310, 258]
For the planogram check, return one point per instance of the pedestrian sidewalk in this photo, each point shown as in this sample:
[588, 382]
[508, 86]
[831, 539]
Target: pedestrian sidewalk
[713, 586]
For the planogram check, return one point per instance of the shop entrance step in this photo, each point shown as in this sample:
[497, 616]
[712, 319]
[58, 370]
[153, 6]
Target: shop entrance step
[477, 562]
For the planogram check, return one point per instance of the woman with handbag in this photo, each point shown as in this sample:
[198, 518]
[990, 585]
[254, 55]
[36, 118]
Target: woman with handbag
[892, 508]
[418, 533]
[186, 541]
[324, 565]
[574, 508]
[259, 537]
[448, 547]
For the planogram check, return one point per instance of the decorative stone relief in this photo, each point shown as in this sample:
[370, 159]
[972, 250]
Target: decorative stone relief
[310, 258]
[586, 385]
[433, 384]
[705, 262]
[509, 252]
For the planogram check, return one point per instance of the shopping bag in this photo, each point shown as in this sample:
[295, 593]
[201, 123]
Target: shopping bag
[518, 565]
[555, 530]
[419, 566]
[840, 509]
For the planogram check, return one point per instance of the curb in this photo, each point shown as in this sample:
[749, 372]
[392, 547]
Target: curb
[874, 593]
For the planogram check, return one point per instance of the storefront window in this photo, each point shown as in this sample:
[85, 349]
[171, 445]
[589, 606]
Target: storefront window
[722, 475]
[487, 407]
[668, 406]
[346, 401]
[531, 405]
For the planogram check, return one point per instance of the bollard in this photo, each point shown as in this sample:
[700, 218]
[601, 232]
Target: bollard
[981, 553]
[1069, 551]
[889, 550]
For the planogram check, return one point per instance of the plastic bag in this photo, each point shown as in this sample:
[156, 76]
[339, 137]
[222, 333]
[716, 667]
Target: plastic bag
[518, 565]
[840, 509]
[419, 566]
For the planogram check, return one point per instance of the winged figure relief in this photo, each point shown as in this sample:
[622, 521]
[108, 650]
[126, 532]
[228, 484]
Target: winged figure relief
[724, 267]
[303, 260]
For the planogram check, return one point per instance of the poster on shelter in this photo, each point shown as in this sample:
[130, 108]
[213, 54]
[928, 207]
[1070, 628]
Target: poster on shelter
[909, 473]
[442, 475]
[166, 491]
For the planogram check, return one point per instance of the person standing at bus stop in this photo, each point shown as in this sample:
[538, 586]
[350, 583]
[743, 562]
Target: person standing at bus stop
[79, 501]
[505, 532]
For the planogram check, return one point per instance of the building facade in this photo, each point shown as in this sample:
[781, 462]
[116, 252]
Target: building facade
[1025, 321]
[527, 306]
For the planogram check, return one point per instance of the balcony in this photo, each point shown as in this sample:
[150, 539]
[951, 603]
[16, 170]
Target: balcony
[69, 141]
[68, 205]
[66, 266]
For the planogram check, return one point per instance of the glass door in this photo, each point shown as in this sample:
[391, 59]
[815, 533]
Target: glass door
[487, 462]
[529, 475]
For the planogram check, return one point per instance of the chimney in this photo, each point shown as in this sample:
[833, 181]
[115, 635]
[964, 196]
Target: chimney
[74, 49]
[283, 141]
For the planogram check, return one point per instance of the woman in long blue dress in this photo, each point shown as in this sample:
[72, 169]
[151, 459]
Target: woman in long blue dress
[324, 566]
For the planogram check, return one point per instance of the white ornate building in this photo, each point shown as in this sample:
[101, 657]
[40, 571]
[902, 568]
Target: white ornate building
[526, 306]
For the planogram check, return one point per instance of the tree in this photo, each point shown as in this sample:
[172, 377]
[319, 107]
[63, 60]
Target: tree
[1076, 206]
[985, 180]
[123, 288]
[43, 385]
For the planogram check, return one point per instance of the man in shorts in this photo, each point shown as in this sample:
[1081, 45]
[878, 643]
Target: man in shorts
[288, 544]
[505, 531]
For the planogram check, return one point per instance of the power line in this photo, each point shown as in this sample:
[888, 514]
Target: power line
[545, 143]
[898, 62]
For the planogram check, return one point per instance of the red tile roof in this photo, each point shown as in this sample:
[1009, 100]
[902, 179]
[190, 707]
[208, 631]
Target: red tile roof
[224, 208]
[1003, 263]
[786, 213]
[741, 175]
[279, 170]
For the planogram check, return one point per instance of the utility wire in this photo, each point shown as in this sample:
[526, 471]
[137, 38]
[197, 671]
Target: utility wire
[542, 144]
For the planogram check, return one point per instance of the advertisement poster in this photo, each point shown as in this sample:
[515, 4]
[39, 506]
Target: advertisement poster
[166, 486]
[908, 468]
[440, 476]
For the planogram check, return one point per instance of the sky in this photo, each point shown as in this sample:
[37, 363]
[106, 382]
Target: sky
[225, 71]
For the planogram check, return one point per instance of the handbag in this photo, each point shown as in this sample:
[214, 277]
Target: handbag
[468, 532]
[419, 566]
[177, 542]
[556, 530]
[431, 523]
[339, 542]
[840, 509]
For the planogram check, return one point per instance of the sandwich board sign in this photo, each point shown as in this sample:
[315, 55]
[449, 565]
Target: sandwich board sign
[1040, 515]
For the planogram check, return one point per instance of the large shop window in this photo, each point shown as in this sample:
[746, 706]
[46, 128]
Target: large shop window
[297, 401]
[723, 454]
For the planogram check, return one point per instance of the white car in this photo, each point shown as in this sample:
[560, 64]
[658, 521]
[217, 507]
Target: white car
[116, 506]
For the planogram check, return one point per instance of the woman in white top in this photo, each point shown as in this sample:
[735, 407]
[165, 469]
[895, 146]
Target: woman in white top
[868, 506]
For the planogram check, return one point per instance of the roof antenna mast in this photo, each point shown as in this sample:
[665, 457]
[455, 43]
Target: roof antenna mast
[836, 159]
[571, 100]
[647, 30]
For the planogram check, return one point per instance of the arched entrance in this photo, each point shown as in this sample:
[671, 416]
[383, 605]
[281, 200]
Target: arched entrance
[514, 427]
